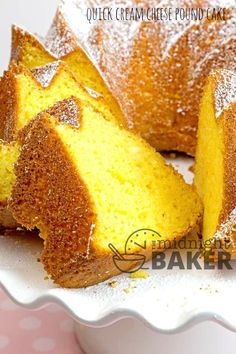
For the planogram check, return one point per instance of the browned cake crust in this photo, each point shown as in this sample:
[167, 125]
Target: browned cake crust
[66, 111]
[6, 219]
[157, 71]
[229, 129]
[58, 203]
[18, 39]
[8, 101]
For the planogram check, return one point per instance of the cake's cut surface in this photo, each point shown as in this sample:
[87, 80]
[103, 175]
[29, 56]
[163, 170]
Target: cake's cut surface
[215, 168]
[60, 43]
[8, 156]
[85, 187]
[66, 111]
[155, 69]
[24, 93]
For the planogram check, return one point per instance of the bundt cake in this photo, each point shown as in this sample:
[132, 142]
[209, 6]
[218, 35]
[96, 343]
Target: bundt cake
[24, 93]
[8, 155]
[155, 69]
[215, 169]
[31, 52]
[90, 185]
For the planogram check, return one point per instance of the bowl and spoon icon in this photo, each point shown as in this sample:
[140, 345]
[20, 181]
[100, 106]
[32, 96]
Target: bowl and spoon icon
[139, 241]
[120, 260]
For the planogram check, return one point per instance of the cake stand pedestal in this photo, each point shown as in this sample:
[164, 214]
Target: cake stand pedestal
[129, 336]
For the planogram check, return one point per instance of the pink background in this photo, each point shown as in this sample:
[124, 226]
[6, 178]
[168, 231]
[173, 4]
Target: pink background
[49, 330]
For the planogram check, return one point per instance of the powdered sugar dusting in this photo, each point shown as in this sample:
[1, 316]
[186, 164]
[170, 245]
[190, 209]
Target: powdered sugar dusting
[227, 230]
[44, 74]
[92, 228]
[156, 70]
[93, 93]
[67, 111]
[225, 90]
[60, 40]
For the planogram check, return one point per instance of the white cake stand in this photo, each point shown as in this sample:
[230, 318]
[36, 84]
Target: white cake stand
[143, 320]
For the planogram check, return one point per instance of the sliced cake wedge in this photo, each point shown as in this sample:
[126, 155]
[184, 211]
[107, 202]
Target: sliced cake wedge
[215, 170]
[66, 111]
[90, 186]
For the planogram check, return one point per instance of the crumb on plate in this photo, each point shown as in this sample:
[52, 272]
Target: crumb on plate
[113, 283]
[140, 274]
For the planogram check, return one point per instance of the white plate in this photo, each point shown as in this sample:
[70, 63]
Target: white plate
[168, 300]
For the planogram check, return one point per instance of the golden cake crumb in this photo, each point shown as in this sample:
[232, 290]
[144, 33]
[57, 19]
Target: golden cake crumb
[127, 290]
[113, 284]
[140, 274]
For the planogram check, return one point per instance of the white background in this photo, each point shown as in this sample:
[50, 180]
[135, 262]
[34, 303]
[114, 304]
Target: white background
[36, 16]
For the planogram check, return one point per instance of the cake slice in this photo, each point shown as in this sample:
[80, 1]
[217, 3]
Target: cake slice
[60, 43]
[24, 93]
[215, 168]
[90, 186]
[66, 111]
